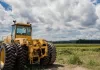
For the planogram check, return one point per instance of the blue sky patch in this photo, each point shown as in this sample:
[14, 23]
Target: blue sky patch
[6, 6]
[98, 1]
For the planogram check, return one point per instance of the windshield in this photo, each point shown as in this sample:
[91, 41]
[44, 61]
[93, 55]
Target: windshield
[23, 30]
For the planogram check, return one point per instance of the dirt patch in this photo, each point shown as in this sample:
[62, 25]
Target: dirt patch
[58, 67]
[71, 68]
[66, 67]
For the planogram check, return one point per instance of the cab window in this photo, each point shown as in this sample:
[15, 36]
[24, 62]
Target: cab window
[23, 30]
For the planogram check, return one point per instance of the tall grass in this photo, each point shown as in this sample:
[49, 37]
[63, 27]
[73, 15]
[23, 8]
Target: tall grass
[84, 55]
[74, 59]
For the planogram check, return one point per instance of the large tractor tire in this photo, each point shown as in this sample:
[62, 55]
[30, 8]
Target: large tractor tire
[50, 59]
[7, 57]
[22, 56]
[52, 55]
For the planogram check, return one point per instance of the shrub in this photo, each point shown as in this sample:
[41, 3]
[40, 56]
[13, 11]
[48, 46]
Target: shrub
[92, 63]
[96, 49]
[73, 59]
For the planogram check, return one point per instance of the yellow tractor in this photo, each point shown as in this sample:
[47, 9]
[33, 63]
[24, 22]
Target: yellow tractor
[19, 49]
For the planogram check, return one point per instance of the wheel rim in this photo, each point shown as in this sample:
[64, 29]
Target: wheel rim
[2, 58]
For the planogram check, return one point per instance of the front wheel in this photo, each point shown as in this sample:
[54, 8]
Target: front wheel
[7, 57]
[22, 57]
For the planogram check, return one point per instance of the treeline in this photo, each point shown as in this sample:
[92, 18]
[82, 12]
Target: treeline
[80, 41]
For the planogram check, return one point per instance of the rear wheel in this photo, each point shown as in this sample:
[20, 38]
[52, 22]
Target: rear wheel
[52, 54]
[7, 57]
[50, 59]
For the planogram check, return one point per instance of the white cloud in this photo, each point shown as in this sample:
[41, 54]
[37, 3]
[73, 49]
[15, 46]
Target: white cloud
[98, 14]
[5, 21]
[55, 19]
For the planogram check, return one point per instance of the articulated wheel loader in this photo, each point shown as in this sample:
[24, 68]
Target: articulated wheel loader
[19, 49]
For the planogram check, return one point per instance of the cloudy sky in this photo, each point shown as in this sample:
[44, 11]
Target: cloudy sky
[53, 19]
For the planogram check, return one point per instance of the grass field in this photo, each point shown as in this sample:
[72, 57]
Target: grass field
[86, 55]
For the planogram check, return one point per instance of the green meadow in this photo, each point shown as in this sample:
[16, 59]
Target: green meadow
[86, 55]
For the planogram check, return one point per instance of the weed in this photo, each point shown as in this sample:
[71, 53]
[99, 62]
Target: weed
[73, 59]
[92, 63]
[96, 49]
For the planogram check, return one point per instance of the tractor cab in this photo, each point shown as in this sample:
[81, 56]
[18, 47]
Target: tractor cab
[21, 30]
